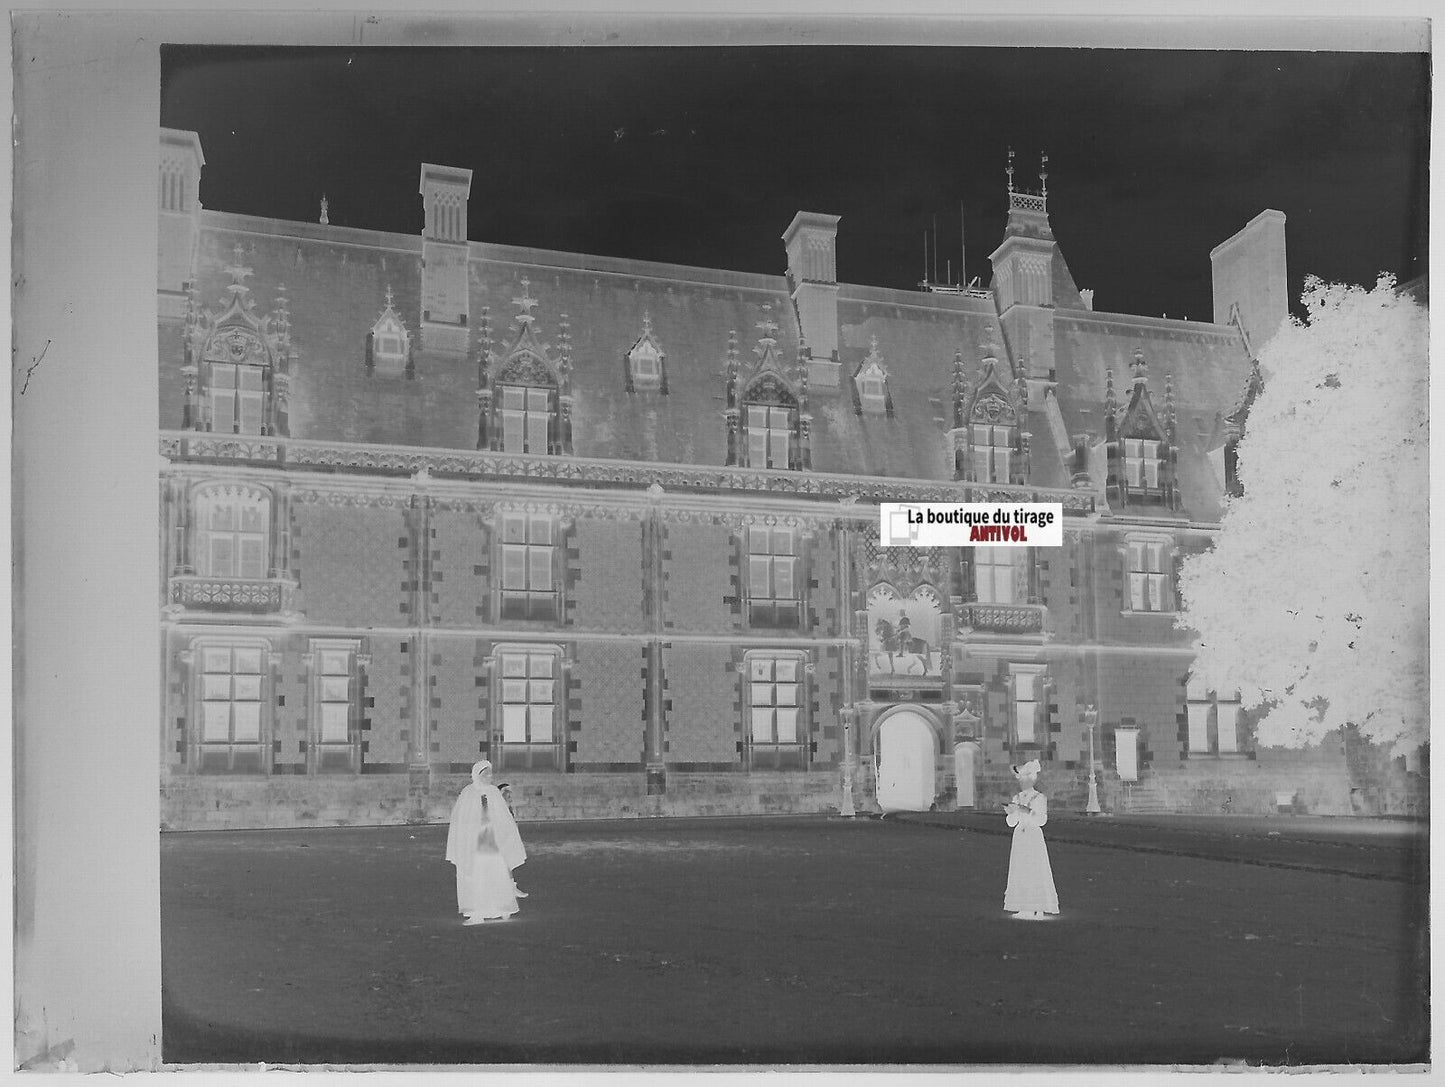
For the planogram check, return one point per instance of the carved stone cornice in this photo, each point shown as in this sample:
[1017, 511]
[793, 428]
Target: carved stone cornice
[469, 465]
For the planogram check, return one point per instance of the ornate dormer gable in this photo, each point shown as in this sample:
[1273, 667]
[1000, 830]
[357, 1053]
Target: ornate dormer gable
[870, 384]
[990, 444]
[645, 368]
[237, 362]
[1142, 446]
[525, 402]
[389, 344]
[768, 422]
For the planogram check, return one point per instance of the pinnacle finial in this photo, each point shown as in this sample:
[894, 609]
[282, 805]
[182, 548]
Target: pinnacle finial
[525, 303]
[1044, 174]
[1140, 367]
[238, 273]
[1010, 170]
[325, 208]
[647, 322]
[388, 296]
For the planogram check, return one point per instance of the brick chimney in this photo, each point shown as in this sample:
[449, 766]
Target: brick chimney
[180, 207]
[812, 244]
[1251, 282]
[444, 256]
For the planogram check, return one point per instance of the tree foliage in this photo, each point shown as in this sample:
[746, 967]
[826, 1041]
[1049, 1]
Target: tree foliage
[1314, 601]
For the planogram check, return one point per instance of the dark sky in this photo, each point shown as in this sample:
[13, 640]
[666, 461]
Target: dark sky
[702, 155]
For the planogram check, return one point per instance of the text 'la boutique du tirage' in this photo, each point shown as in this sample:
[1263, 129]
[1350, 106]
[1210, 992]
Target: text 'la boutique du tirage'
[1018, 524]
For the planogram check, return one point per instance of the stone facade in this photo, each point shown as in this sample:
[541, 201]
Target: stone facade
[650, 582]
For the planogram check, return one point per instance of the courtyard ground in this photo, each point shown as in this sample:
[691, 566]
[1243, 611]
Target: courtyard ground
[804, 941]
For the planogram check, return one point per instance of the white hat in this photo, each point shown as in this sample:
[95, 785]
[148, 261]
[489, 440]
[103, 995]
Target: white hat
[1029, 768]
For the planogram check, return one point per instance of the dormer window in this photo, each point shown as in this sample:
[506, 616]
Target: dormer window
[646, 367]
[1141, 464]
[389, 350]
[238, 398]
[526, 418]
[870, 391]
[871, 383]
[645, 361]
[992, 447]
[769, 432]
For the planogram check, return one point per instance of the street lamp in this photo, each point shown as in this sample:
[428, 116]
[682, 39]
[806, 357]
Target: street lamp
[1091, 720]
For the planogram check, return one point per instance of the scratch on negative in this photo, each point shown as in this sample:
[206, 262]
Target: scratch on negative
[38, 359]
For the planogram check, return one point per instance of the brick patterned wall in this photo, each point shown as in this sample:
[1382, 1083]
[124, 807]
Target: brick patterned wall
[460, 568]
[826, 691]
[610, 682]
[454, 693]
[349, 560]
[700, 575]
[388, 691]
[177, 716]
[702, 703]
[608, 588]
[821, 591]
[1144, 692]
[290, 704]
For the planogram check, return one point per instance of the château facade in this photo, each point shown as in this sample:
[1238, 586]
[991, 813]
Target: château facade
[614, 526]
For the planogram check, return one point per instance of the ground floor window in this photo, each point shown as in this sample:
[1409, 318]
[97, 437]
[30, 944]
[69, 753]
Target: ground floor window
[335, 729]
[530, 736]
[232, 730]
[776, 734]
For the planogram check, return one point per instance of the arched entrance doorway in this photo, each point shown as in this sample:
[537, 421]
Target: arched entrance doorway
[904, 747]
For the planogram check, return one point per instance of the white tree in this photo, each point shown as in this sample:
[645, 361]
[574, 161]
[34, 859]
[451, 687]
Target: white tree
[1314, 601]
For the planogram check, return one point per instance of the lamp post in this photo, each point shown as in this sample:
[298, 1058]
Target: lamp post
[1091, 720]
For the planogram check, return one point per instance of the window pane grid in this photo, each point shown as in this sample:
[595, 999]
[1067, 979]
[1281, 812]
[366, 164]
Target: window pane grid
[774, 701]
[528, 698]
[526, 417]
[230, 696]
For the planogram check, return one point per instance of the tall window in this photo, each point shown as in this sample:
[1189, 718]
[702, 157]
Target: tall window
[231, 686]
[333, 694]
[231, 532]
[1149, 588]
[1141, 464]
[992, 446]
[526, 415]
[1026, 706]
[1000, 575]
[529, 709]
[238, 398]
[528, 587]
[772, 581]
[1198, 706]
[774, 699]
[769, 431]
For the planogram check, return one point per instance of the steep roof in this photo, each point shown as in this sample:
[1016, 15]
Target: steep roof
[336, 280]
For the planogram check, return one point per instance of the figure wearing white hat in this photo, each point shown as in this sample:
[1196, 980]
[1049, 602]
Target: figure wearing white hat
[485, 846]
[1030, 893]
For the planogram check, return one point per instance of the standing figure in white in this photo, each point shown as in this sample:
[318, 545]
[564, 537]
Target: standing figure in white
[485, 846]
[1030, 893]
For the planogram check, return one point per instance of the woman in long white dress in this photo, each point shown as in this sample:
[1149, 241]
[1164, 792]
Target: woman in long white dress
[1030, 892]
[484, 844]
